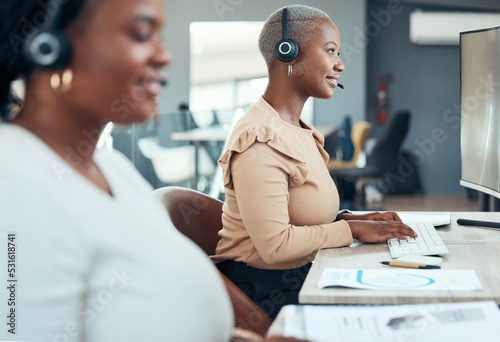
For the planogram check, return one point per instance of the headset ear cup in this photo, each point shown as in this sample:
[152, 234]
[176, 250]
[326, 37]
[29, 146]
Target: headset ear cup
[286, 50]
[49, 50]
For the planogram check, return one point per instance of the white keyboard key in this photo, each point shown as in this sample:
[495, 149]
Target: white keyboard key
[428, 242]
[438, 242]
[393, 242]
[397, 250]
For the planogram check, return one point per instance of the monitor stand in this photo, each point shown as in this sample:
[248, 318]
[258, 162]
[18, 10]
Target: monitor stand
[488, 202]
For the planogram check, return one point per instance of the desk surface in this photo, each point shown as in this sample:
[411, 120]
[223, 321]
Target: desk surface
[212, 133]
[219, 133]
[278, 324]
[481, 256]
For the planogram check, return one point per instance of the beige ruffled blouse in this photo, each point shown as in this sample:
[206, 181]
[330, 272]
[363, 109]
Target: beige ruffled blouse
[280, 199]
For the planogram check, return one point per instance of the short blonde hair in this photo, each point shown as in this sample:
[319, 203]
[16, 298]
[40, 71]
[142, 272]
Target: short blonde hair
[301, 22]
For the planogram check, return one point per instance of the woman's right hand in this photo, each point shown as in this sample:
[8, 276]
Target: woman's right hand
[379, 231]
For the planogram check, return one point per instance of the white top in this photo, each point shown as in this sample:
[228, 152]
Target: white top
[91, 267]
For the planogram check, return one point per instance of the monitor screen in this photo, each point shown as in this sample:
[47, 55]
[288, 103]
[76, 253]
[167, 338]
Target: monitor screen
[480, 110]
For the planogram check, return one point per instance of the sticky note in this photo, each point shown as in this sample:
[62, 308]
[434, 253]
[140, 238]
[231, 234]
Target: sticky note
[421, 259]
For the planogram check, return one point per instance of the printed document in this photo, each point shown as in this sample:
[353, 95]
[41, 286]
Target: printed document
[401, 279]
[457, 322]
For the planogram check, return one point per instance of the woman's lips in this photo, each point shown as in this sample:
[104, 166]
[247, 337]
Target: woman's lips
[151, 86]
[332, 81]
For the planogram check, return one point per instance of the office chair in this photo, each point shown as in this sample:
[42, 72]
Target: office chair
[382, 160]
[198, 216]
[359, 133]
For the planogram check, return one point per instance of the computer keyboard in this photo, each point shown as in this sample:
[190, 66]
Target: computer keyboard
[428, 242]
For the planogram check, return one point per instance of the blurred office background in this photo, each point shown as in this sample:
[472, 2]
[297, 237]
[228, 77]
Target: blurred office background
[218, 71]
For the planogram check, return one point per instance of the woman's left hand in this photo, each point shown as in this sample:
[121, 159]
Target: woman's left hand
[376, 216]
[243, 335]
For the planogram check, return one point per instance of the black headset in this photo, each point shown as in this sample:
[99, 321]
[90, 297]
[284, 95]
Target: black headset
[49, 48]
[286, 50]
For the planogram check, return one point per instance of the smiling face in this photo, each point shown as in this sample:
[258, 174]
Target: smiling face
[116, 60]
[318, 65]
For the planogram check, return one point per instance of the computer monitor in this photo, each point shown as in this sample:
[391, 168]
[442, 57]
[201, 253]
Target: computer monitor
[480, 110]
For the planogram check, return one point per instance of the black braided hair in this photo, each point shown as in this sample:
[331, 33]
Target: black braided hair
[18, 21]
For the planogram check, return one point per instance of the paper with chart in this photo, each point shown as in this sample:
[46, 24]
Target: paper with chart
[401, 279]
[458, 322]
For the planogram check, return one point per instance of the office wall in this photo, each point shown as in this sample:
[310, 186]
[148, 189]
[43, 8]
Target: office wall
[426, 80]
[349, 16]
[454, 4]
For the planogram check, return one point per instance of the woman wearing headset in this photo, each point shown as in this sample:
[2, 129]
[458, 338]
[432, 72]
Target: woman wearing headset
[92, 256]
[281, 203]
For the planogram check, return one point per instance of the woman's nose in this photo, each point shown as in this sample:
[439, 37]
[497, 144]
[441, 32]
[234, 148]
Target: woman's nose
[163, 56]
[339, 66]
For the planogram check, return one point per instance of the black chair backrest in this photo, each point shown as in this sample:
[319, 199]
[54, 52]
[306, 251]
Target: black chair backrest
[385, 152]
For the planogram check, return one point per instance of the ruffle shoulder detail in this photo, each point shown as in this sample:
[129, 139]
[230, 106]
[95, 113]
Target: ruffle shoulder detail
[262, 134]
[320, 143]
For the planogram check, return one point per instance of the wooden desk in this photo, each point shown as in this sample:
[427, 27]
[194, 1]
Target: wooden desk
[278, 324]
[219, 133]
[482, 256]
[216, 133]
[212, 133]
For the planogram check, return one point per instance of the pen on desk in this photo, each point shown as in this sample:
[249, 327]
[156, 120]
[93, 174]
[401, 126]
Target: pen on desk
[409, 265]
[487, 224]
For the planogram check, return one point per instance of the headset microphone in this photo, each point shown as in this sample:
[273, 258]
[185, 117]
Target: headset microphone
[286, 50]
[340, 86]
[49, 48]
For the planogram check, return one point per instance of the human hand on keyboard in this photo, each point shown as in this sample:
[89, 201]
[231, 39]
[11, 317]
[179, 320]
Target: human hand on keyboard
[379, 231]
[376, 216]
